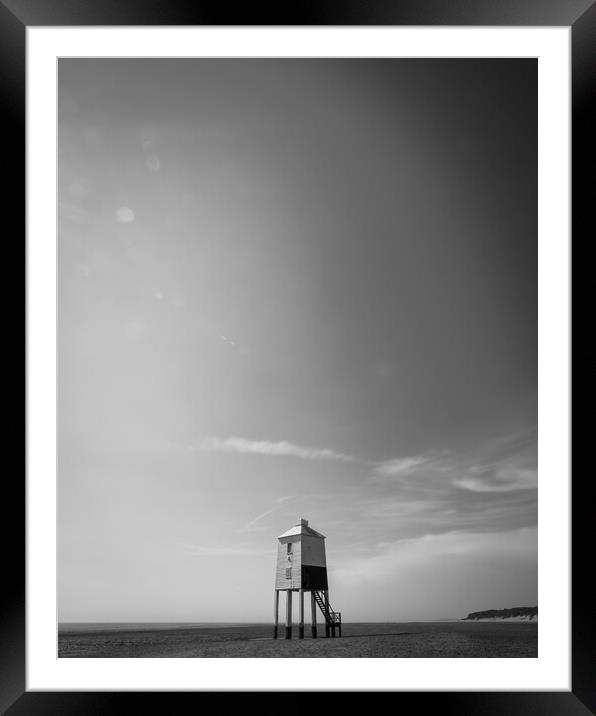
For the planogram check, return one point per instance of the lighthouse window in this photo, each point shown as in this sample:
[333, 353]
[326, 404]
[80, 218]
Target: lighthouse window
[289, 547]
[288, 573]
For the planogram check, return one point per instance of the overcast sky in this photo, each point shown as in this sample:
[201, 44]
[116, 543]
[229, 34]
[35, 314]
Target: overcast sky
[296, 288]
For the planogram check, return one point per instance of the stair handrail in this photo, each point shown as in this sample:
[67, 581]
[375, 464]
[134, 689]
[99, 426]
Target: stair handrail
[325, 607]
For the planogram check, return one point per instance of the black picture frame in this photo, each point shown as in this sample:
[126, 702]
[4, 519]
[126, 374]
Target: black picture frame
[580, 15]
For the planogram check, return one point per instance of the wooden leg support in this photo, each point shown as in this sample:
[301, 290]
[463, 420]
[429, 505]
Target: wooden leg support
[289, 614]
[275, 613]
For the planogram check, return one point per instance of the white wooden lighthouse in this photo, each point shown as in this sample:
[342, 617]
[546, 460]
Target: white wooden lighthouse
[302, 567]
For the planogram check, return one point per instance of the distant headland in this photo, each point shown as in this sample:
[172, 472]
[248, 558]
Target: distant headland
[518, 614]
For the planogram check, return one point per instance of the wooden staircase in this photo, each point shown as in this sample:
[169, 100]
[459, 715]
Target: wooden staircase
[332, 619]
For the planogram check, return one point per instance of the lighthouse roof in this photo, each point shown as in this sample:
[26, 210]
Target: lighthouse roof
[301, 528]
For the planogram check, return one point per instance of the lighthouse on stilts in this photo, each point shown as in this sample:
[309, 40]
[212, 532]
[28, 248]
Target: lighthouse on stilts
[302, 567]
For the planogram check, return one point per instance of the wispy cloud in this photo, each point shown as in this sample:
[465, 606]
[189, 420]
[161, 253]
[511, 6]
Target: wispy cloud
[419, 554]
[267, 447]
[252, 525]
[489, 486]
[503, 479]
[505, 464]
[398, 466]
[509, 464]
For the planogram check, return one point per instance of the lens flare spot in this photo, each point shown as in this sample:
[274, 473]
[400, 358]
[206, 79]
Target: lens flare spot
[125, 215]
[153, 162]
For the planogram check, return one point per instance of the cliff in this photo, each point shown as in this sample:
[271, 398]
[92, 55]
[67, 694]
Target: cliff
[514, 613]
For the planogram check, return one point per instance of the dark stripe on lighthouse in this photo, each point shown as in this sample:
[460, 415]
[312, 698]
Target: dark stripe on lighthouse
[314, 577]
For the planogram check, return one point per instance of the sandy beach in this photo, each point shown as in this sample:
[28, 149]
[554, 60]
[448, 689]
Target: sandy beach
[372, 640]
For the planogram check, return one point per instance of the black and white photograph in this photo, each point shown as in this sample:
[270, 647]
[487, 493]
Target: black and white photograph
[297, 357]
